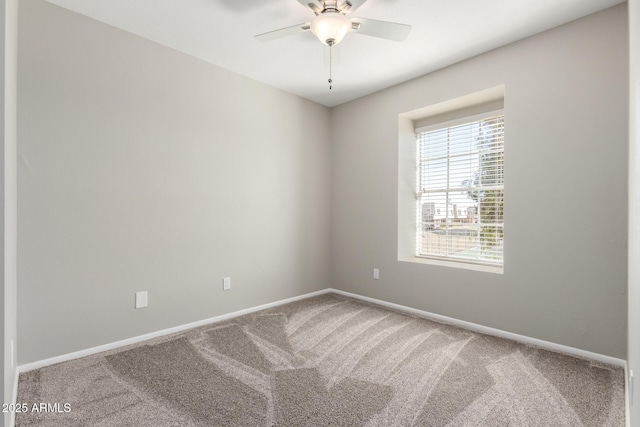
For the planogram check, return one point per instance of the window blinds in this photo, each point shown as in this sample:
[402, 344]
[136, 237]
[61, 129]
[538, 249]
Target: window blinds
[460, 197]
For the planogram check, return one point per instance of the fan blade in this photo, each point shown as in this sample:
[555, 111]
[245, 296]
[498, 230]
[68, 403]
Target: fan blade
[311, 4]
[350, 5]
[283, 32]
[381, 29]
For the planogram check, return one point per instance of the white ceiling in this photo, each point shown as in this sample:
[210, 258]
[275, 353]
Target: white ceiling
[444, 32]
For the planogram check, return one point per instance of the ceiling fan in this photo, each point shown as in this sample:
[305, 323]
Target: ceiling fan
[331, 25]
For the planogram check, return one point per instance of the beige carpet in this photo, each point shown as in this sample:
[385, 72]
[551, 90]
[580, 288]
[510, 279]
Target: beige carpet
[323, 361]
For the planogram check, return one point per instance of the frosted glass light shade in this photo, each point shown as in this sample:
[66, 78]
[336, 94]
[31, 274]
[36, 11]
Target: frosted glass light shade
[330, 26]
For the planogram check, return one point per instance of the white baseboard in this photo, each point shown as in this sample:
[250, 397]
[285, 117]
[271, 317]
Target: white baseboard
[559, 348]
[437, 317]
[627, 407]
[134, 340]
[14, 396]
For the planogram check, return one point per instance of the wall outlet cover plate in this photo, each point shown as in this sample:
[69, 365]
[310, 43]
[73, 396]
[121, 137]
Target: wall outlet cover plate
[142, 299]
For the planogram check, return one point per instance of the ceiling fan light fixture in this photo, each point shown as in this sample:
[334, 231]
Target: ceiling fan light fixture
[330, 27]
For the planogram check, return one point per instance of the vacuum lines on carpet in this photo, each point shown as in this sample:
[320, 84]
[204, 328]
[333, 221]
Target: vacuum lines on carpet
[327, 360]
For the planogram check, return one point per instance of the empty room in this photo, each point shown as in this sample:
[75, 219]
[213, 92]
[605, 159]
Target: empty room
[321, 213]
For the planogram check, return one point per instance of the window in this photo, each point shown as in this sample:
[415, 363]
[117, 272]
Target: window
[460, 190]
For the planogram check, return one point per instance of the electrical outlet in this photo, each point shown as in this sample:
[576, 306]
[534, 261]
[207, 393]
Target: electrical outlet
[142, 299]
[226, 283]
[376, 273]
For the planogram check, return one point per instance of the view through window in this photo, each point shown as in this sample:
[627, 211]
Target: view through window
[460, 196]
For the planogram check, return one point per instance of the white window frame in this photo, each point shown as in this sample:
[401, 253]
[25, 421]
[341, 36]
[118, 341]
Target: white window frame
[475, 264]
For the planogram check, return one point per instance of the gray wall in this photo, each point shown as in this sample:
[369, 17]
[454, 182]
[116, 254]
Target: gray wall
[3, 6]
[9, 212]
[566, 133]
[633, 358]
[142, 168]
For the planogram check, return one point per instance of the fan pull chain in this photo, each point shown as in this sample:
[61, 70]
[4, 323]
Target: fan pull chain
[330, 64]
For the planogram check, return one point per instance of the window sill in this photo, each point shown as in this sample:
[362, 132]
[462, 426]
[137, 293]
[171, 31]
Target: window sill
[454, 264]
